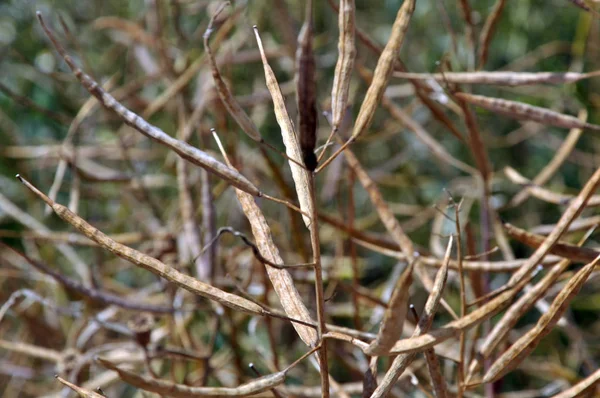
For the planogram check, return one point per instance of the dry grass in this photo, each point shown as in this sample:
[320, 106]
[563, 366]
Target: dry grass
[172, 269]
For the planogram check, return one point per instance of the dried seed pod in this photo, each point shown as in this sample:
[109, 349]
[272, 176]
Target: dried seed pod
[345, 63]
[306, 96]
[525, 345]
[521, 111]
[82, 392]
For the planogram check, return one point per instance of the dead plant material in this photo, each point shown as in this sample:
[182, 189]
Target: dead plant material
[424, 324]
[487, 32]
[566, 250]
[82, 392]
[557, 160]
[512, 357]
[501, 78]
[186, 151]
[290, 138]
[306, 90]
[383, 71]
[395, 315]
[522, 111]
[513, 313]
[171, 389]
[581, 387]
[149, 263]
[545, 194]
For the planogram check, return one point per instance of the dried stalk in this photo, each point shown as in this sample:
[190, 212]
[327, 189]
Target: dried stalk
[171, 389]
[383, 70]
[290, 139]
[186, 151]
[579, 388]
[401, 362]
[144, 261]
[525, 345]
[487, 32]
[395, 315]
[82, 392]
[572, 212]
[343, 66]
[545, 194]
[384, 212]
[282, 281]
[562, 249]
[521, 111]
[512, 315]
[306, 96]
[511, 79]
[91, 293]
[559, 157]
[229, 101]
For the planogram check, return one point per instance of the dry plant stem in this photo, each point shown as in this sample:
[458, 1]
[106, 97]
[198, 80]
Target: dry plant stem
[436, 148]
[385, 214]
[26, 102]
[344, 64]
[580, 224]
[307, 114]
[568, 251]
[501, 78]
[290, 139]
[306, 90]
[543, 193]
[282, 281]
[320, 297]
[79, 266]
[522, 111]
[525, 345]
[383, 70]
[420, 89]
[186, 205]
[391, 249]
[186, 151]
[512, 315]
[463, 300]
[401, 362]
[343, 67]
[82, 392]
[93, 294]
[487, 32]
[557, 160]
[227, 98]
[149, 263]
[578, 389]
[571, 212]
[476, 143]
[466, 12]
[171, 389]
[453, 329]
[392, 324]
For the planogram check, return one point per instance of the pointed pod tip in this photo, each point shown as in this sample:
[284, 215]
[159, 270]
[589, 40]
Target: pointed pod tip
[254, 27]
